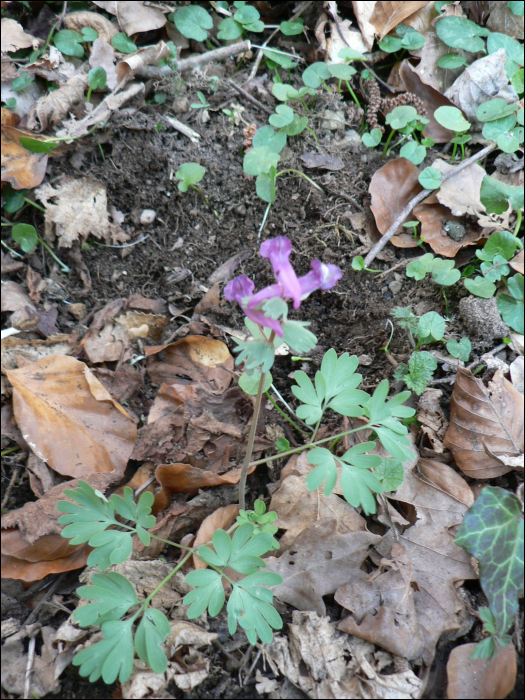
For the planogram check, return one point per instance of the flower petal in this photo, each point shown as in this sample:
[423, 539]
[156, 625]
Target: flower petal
[239, 288]
[260, 319]
[278, 250]
[320, 277]
[274, 290]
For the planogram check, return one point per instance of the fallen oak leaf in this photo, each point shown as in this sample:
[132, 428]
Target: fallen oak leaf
[484, 423]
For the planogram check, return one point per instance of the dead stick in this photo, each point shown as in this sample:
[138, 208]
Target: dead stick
[418, 198]
[216, 55]
[249, 97]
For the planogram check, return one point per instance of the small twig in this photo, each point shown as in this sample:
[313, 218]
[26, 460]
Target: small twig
[29, 666]
[260, 55]
[396, 267]
[252, 667]
[194, 61]
[249, 97]
[419, 198]
[8, 490]
[451, 379]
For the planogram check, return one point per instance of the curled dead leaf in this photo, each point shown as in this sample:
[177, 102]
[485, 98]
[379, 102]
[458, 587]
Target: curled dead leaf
[387, 15]
[392, 187]
[461, 192]
[15, 38]
[134, 17]
[484, 423]
[69, 419]
[131, 65]
[21, 168]
[53, 107]
[105, 29]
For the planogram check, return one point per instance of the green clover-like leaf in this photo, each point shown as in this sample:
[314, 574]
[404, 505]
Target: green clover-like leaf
[193, 22]
[461, 350]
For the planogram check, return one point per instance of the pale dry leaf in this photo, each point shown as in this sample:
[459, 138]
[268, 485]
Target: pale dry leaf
[134, 17]
[483, 80]
[21, 168]
[517, 263]
[145, 684]
[185, 633]
[53, 107]
[503, 21]
[103, 56]
[299, 508]
[363, 12]
[445, 479]
[190, 670]
[387, 15]
[64, 423]
[461, 193]
[17, 352]
[516, 373]
[484, 679]
[392, 187]
[80, 210]
[27, 97]
[318, 562]
[222, 518]
[105, 29]
[341, 35]
[15, 38]
[433, 217]
[129, 66]
[422, 21]
[429, 71]
[485, 422]
[383, 607]
[433, 422]
[141, 325]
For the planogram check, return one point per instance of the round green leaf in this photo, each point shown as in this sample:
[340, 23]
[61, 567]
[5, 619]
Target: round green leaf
[510, 143]
[496, 196]
[461, 33]
[193, 21]
[517, 81]
[89, 34]
[10, 103]
[21, 82]
[493, 129]
[451, 61]
[414, 152]
[390, 44]
[121, 42]
[431, 325]
[460, 350]
[25, 236]
[259, 160]
[515, 285]
[348, 54]
[292, 28]
[430, 178]
[246, 14]
[14, 199]
[249, 383]
[451, 118]
[516, 7]
[358, 263]
[495, 109]
[189, 173]
[97, 78]
[229, 29]
[412, 41]
[266, 136]
[513, 49]
[315, 73]
[342, 71]
[372, 138]
[284, 92]
[69, 43]
[36, 146]
[401, 116]
[280, 59]
[297, 126]
[500, 243]
[284, 116]
[480, 287]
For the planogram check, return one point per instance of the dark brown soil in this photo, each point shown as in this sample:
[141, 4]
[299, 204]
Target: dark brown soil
[137, 163]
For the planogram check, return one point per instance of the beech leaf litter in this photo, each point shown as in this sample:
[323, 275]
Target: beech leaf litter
[134, 401]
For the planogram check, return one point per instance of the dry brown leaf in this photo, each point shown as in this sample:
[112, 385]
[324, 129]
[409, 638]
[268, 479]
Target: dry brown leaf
[484, 423]
[481, 679]
[387, 15]
[225, 271]
[9, 119]
[341, 35]
[322, 161]
[325, 663]
[103, 55]
[154, 306]
[210, 301]
[438, 564]
[69, 419]
[18, 352]
[54, 106]
[21, 168]
[445, 479]
[517, 263]
[318, 562]
[382, 607]
[80, 210]
[15, 38]
[222, 518]
[105, 29]
[123, 383]
[299, 508]
[460, 193]
[503, 21]
[430, 414]
[130, 65]
[26, 315]
[404, 77]
[433, 217]
[10, 429]
[392, 187]
[483, 80]
[134, 17]
[429, 71]
[363, 12]
[32, 546]
[199, 358]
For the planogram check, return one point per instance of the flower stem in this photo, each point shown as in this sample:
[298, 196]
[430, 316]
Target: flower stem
[312, 438]
[283, 414]
[145, 603]
[291, 170]
[518, 223]
[387, 144]
[251, 439]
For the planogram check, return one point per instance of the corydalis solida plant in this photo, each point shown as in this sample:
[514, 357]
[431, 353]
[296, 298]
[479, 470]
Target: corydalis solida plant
[267, 319]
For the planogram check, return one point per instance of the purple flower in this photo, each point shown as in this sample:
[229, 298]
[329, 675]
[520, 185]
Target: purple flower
[288, 286]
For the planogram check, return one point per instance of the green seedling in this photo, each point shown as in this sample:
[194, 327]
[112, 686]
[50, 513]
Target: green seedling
[192, 21]
[231, 113]
[10, 103]
[202, 104]
[371, 139]
[189, 174]
[26, 237]
[461, 33]
[358, 264]
[97, 80]
[496, 197]
[21, 82]
[245, 19]
[285, 92]
[460, 350]
[500, 124]
[121, 42]
[511, 306]
[70, 43]
[453, 119]
[292, 28]
[282, 444]
[430, 178]
[259, 518]
[442, 271]
[407, 121]
[492, 532]
[407, 38]
[413, 225]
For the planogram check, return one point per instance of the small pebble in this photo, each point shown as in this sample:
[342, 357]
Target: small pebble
[365, 360]
[147, 216]
[78, 311]
[395, 287]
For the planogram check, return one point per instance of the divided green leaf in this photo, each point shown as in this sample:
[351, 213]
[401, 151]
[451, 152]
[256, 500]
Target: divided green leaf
[110, 658]
[419, 372]
[149, 636]
[114, 596]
